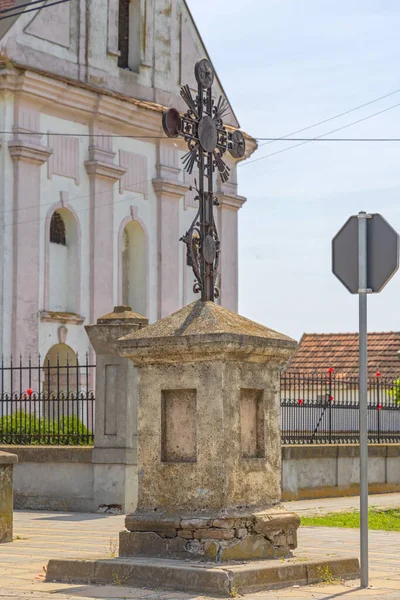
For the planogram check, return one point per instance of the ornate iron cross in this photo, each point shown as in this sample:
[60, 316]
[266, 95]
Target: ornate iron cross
[208, 140]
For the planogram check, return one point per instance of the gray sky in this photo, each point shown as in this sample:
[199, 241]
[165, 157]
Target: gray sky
[286, 64]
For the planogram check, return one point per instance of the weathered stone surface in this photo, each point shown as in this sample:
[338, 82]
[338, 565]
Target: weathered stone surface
[186, 534]
[196, 322]
[6, 496]
[143, 522]
[182, 576]
[167, 533]
[71, 571]
[214, 534]
[195, 523]
[280, 528]
[132, 543]
[224, 523]
[211, 551]
[252, 547]
[240, 533]
[195, 548]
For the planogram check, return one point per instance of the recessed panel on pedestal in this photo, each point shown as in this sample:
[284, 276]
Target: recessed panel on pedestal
[178, 426]
[252, 423]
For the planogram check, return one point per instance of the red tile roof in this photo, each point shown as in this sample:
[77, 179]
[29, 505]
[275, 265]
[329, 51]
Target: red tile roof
[7, 4]
[317, 352]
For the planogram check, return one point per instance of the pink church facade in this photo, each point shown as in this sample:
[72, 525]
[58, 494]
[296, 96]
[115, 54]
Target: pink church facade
[93, 197]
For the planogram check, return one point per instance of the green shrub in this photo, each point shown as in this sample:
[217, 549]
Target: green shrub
[27, 428]
[394, 393]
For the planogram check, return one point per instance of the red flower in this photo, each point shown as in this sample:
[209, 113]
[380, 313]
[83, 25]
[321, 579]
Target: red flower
[331, 398]
[378, 373]
[300, 401]
[379, 407]
[29, 391]
[330, 370]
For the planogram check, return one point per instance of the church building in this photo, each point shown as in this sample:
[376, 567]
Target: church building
[93, 196]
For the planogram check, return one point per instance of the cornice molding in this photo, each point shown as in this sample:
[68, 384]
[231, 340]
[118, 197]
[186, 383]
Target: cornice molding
[175, 189]
[231, 201]
[105, 170]
[34, 153]
[80, 97]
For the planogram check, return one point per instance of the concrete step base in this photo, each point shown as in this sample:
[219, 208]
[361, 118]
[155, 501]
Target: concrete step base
[223, 579]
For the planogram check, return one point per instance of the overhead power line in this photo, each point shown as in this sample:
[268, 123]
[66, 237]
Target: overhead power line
[380, 112]
[162, 137]
[287, 139]
[337, 116]
[23, 12]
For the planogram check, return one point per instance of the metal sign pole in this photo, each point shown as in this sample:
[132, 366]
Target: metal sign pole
[363, 399]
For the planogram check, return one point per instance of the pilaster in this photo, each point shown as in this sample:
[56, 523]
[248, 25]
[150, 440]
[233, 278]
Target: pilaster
[103, 175]
[28, 158]
[169, 193]
[229, 204]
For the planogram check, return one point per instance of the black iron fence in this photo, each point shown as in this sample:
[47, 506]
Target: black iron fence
[323, 409]
[44, 402]
[47, 403]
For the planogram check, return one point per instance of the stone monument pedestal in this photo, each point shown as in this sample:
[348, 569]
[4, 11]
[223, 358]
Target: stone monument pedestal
[209, 439]
[208, 461]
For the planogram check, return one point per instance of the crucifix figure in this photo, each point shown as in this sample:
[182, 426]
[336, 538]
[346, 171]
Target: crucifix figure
[202, 128]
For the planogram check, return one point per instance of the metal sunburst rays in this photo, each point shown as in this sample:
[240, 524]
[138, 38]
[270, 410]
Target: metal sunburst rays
[191, 158]
[221, 109]
[186, 94]
[222, 167]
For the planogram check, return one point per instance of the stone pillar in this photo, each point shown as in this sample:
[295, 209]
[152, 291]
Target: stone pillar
[28, 157]
[115, 447]
[169, 194]
[103, 175]
[7, 462]
[209, 450]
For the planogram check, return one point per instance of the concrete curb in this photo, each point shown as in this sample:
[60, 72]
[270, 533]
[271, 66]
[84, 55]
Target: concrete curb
[222, 580]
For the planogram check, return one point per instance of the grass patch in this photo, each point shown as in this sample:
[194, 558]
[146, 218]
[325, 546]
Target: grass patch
[385, 520]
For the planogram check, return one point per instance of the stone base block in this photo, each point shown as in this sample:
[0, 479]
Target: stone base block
[242, 535]
[199, 577]
[7, 462]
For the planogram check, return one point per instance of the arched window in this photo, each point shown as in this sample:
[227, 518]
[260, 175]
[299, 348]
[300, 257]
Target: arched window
[57, 230]
[63, 260]
[60, 368]
[134, 268]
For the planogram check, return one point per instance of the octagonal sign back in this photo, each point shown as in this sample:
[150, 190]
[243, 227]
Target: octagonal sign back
[382, 253]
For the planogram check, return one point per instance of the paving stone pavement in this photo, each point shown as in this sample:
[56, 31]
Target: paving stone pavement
[39, 536]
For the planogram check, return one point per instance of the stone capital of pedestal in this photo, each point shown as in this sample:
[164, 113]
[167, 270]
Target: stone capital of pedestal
[204, 331]
[110, 327]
